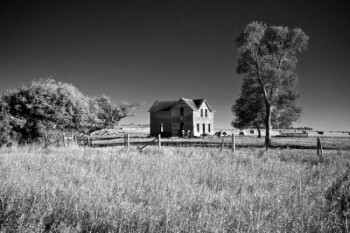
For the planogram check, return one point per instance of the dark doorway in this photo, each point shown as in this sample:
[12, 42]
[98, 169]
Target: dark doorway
[181, 128]
[203, 128]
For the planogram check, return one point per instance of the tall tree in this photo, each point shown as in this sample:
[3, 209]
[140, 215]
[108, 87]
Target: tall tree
[268, 58]
[249, 109]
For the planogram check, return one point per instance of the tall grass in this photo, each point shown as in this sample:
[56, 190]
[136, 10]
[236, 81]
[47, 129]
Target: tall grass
[172, 190]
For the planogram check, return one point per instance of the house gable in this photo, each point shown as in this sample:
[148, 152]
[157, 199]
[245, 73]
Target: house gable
[199, 103]
[203, 118]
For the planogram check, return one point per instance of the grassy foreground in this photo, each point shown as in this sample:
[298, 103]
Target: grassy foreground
[173, 190]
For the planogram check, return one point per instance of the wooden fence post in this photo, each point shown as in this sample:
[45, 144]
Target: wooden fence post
[159, 142]
[127, 141]
[57, 140]
[233, 143]
[64, 140]
[89, 142]
[222, 144]
[319, 147]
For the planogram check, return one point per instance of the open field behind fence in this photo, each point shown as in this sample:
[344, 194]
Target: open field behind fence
[175, 189]
[254, 132]
[279, 132]
[329, 143]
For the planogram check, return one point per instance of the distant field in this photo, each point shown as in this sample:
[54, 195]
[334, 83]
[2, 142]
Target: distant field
[301, 143]
[173, 190]
[333, 143]
[144, 130]
[276, 132]
[334, 140]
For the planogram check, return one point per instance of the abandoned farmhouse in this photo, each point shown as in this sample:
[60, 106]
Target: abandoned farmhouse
[184, 117]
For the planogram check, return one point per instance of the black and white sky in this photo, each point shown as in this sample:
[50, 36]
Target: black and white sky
[141, 51]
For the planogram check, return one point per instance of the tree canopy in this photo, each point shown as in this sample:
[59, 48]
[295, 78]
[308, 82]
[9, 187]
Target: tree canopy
[249, 109]
[46, 106]
[109, 114]
[268, 59]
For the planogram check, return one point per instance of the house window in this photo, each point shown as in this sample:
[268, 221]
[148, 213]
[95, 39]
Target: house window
[206, 112]
[209, 128]
[182, 112]
[201, 112]
[197, 127]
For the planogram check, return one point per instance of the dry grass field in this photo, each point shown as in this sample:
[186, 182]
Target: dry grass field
[173, 190]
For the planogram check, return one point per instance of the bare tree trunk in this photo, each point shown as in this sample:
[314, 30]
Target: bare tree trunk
[268, 126]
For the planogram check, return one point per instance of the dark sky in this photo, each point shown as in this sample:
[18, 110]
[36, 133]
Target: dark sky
[141, 51]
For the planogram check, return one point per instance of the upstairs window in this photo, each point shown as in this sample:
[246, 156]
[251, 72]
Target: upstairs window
[182, 111]
[201, 112]
[206, 112]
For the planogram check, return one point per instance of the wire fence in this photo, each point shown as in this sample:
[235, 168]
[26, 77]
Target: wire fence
[231, 142]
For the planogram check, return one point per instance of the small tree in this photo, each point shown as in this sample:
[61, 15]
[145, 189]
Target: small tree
[109, 114]
[268, 58]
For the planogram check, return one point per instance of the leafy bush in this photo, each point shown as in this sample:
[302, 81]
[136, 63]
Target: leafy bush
[7, 122]
[46, 107]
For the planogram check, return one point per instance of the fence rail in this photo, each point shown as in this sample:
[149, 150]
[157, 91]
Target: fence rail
[128, 139]
[140, 143]
[103, 141]
[109, 137]
[297, 135]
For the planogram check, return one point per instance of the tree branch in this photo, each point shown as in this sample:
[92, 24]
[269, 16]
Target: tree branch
[257, 65]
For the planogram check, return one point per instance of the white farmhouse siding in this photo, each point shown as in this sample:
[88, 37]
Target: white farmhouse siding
[203, 120]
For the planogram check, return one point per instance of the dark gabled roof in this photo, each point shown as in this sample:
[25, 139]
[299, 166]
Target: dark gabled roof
[190, 103]
[165, 105]
[162, 105]
[199, 102]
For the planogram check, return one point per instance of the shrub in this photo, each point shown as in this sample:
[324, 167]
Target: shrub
[46, 107]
